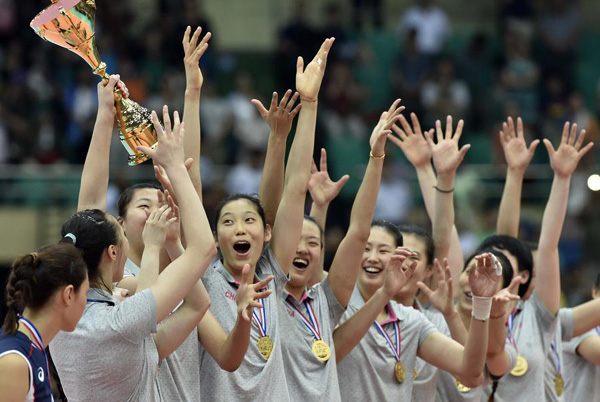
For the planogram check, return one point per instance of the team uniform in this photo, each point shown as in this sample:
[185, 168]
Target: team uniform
[381, 367]
[261, 374]
[111, 355]
[304, 322]
[34, 355]
[178, 373]
[582, 378]
[554, 375]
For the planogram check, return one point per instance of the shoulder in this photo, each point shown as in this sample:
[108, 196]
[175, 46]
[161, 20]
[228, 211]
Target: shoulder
[14, 374]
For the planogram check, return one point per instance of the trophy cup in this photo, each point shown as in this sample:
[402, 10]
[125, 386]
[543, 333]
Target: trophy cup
[70, 24]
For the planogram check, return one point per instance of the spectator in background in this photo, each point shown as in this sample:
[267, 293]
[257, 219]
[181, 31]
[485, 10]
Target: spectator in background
[245, 176]
[431, 24]
[410, 71]
[216, 118]
[333, 27]
[585, 119]
[559, 28]
[554, 105]
[394, 199]
[445, 94]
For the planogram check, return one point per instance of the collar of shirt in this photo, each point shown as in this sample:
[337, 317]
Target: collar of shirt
[310, 293]
[220, 268]
[100, 295]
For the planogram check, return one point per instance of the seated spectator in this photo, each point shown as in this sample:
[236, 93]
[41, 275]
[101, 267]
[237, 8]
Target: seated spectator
[445, 94]
[431, 24]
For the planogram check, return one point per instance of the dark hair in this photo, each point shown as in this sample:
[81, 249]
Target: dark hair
[597, 283]
[321, 231]
[239, 196]
[35, 277]
[424, 236]
[518, 249]
[391, 229]
[127, 196]
[507, 268]
[93, 233]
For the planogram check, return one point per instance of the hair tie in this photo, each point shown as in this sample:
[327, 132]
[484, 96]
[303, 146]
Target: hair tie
[72, 237]
[35, 257]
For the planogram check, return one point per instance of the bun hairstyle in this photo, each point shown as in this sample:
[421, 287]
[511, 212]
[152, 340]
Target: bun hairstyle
[91, 232]
[35, 277]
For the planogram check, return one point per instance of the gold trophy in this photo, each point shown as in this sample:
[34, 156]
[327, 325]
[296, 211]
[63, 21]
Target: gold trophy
[70, 24]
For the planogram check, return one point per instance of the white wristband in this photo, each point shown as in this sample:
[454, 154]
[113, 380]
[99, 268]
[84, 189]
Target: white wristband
[481, 307]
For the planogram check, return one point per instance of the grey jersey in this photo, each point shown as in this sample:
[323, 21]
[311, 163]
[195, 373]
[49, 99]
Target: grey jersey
[367, 372]
[308, 378]
[111, 355]
[256, 378]
[582, 378]
[554, 360]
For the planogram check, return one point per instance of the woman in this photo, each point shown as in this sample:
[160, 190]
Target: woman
[127, 369]
[310, 314]
[241, 233]
[45, 294]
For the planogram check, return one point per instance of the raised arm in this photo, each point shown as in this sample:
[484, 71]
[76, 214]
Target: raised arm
[94, 178]
[413, 144]
[345, 266]
[287, 228]
[563, 161]
[193, 51]
[229, 350]
[467, 362]
[348, 335]
[322, 190]
[280, 119]
[446, 158]
[498, 359]
[179, 277]
[518, 156]
[443, 300]
[586, 316]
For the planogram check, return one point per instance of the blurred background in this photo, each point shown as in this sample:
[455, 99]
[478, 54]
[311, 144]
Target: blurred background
[477, 60]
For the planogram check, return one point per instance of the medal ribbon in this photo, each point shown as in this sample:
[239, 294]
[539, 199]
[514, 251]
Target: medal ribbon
[397, 335]
[313, 324]
[598, 330]
[37, 338]
[556, 358]
[260, 318]
[510, 328]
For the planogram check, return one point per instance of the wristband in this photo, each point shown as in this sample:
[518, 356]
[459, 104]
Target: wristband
[376, 156]
[481, 308]
[443, 191]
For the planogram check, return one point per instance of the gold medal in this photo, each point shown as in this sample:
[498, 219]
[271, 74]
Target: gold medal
[521, 367]
[415, 374]
[321, 350]
[265, 346]
[559, 384]
[399, 372]
[461, 387]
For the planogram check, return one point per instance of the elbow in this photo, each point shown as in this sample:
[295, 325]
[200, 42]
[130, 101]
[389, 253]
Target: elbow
[359, 233]
[227, 365]
[211, 251]
[472, 382]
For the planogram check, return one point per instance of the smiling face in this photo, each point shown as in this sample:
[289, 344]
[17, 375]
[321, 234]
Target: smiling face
[241, 235]
[379, 249]
[143, 202]
[308, 255]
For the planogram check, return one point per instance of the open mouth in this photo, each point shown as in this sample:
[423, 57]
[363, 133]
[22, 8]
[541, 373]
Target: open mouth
[468, 295]
[241, 248]
[372, 270]
[300, 263]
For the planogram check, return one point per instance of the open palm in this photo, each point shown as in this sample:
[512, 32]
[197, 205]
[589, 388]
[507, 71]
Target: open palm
[564, 160]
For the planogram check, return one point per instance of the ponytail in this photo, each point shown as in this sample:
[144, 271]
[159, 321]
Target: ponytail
[35, 277]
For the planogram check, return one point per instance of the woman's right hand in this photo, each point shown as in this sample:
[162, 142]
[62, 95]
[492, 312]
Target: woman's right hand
[383, 128]
[396, 275]
[169, 151]
[443, 297]
[106, 94]
[411, 141]
[157, 226]
[249, 293]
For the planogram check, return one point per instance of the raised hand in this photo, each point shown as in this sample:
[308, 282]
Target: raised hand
[383, 128]
[279, 118]
[411, 141]
[157, 226]
[174, 233]
[517, 154]
[169, 151]
[564, 160]
[504, 297]
[396, 275]
[107, 91]
[443, 297]
[446, 155]
[193, 51]
[483, 277]
[322, 189]
[249, 293]
[308, 81]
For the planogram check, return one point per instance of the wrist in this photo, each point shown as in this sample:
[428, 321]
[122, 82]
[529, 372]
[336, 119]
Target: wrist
[450, 314]
[481, 307]
[192, 91]
[517, 172]
[152, 248]
[106, 116]
[308, 102]
[386, 294]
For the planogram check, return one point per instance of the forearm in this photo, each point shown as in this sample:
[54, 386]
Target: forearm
[443, 220]
[233, 350]
[497, 358]
[457, 328]
[94, 178]
[300, 157]
[474, 354]
[547, 260]
[349, 334]
[271, 182]
[174, 249]
[364, 204]
[510, 205]
[191, 118]
[149, 267]
[319, 213]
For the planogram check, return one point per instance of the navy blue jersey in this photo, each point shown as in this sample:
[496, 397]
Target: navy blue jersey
[39, 374]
